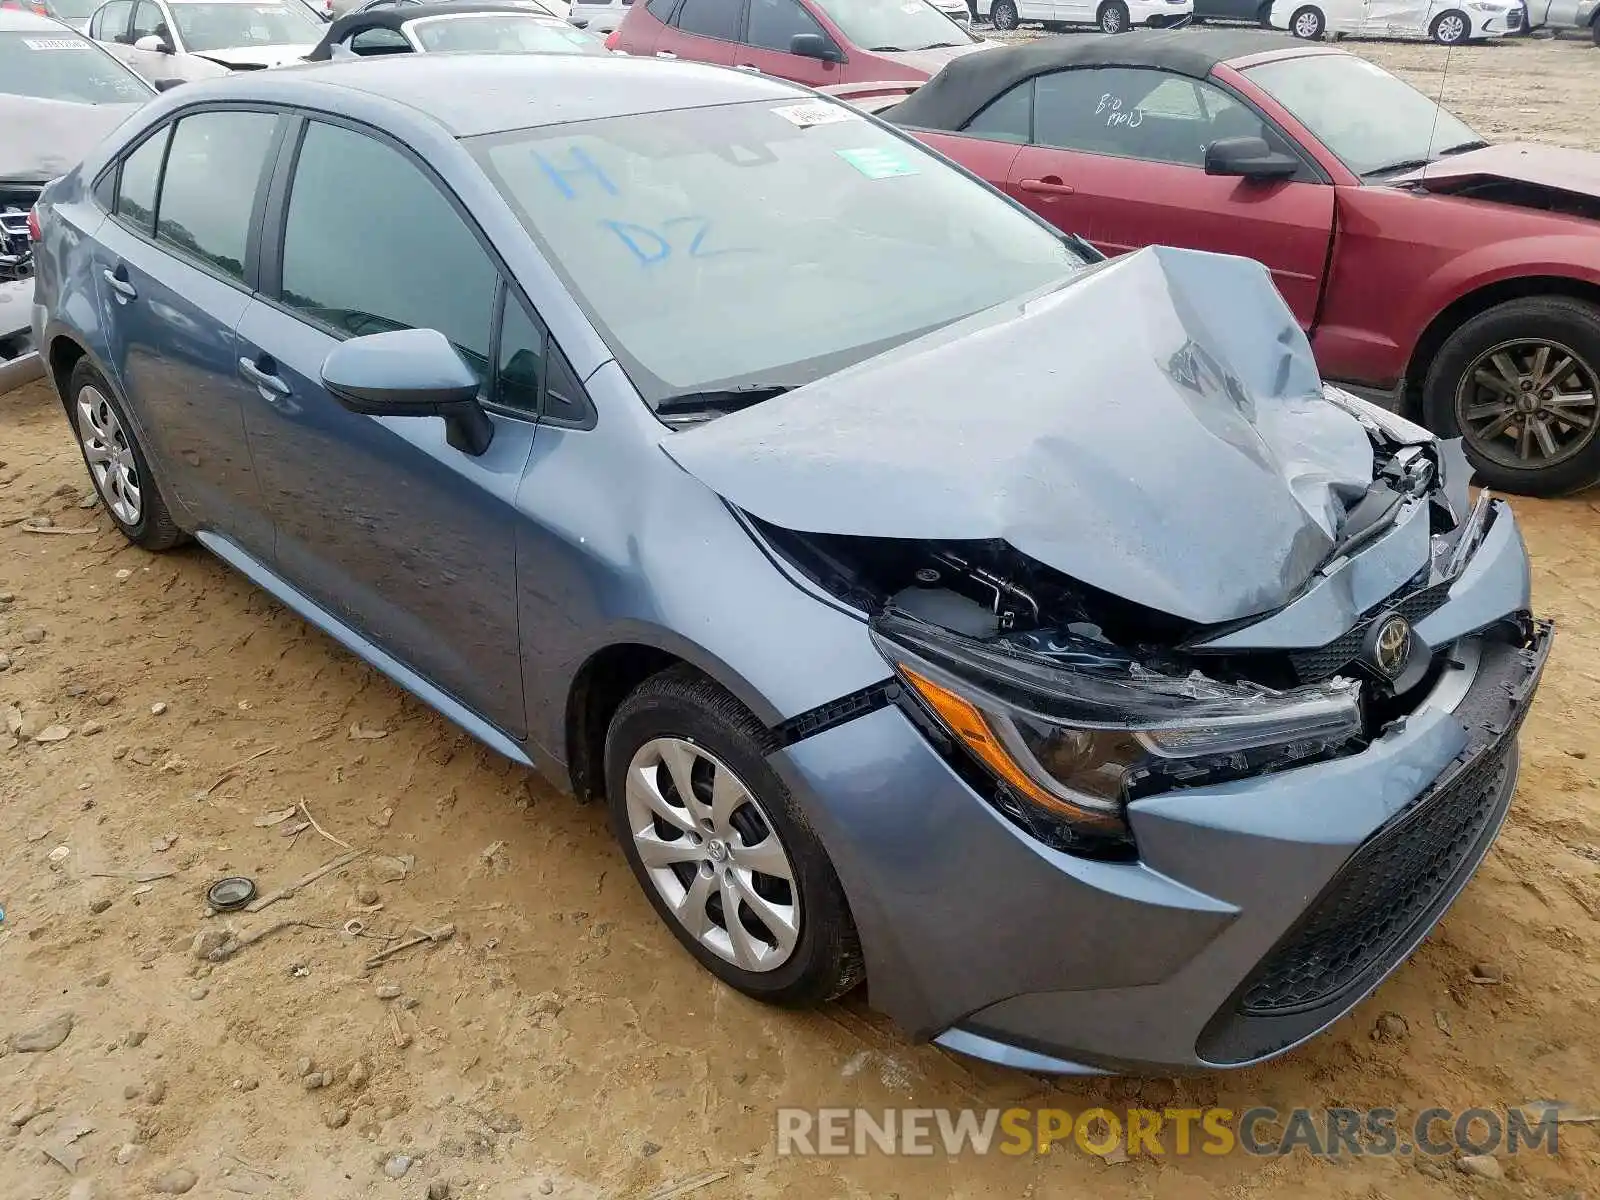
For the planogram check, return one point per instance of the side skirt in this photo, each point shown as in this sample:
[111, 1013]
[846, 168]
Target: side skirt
[362, 648]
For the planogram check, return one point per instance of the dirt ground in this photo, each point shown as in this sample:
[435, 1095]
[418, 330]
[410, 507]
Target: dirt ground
[561, 1043]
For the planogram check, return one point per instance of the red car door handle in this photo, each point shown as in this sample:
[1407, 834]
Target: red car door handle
[1050, 185]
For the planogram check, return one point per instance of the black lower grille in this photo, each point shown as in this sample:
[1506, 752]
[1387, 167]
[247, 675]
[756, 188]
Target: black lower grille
[1381, 892]
[1312, 666]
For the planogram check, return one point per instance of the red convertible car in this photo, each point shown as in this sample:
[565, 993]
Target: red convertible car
[1462, 278]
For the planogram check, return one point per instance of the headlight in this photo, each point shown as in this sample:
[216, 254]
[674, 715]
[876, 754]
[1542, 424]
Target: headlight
[1480, 6]
[1072, 742]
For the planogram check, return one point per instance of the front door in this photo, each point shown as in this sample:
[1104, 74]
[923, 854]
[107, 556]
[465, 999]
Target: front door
[770, 30]
[1118, 155]
[380, 521]
[172, 277]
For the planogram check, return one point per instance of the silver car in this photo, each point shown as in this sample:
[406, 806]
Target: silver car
[1557, 15]
[202, 39]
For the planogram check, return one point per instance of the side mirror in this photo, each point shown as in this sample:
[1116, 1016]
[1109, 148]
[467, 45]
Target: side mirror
[814, 45]
[151, 42]
[410, 373]
[1248, 158]
[166, 85]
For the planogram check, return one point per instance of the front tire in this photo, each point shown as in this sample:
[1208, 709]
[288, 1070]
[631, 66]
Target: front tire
[721, 848]
[1264, 16]
[118, 466]
[1520, 384]
[1594, 31]
[1308, 23]
[1113, 17]
[1450, 28]
[1003, 16]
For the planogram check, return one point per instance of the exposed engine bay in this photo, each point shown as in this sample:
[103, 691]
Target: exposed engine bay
[1521, 194]
[16, 251]
[1060, 658]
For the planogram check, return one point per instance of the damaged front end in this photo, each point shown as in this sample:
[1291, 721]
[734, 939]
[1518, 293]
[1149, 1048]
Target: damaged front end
[1246, 572]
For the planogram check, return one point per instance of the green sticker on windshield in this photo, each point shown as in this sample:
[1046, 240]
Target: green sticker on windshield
[878, 162]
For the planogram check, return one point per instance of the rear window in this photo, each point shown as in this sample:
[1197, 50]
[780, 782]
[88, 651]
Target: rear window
[503, 33]
[64, 66]
[767, 243]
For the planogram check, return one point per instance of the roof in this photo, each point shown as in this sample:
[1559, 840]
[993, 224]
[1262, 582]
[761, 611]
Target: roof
[394, 18]
[16, 20]
[957, 93]
[471, 94]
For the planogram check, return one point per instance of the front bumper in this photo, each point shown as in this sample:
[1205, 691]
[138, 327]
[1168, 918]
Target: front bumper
[19, 359]
[1159, 13]
[1257, 913]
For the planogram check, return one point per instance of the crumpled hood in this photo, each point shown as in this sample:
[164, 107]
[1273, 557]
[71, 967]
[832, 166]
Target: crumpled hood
[1156, 429]
[256, 57]
[928, 62]
[41, 140]
[1548, 166]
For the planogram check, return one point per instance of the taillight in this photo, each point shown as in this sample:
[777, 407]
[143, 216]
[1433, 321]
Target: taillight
[612, 39]
[34, 232]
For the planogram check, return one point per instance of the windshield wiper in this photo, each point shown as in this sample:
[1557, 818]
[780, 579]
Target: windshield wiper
[1463, 148]
[886, 49]
[1394, 168]
[719, 400]
[938, 45]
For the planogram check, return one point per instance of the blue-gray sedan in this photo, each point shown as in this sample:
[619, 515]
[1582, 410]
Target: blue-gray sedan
[1032, 636]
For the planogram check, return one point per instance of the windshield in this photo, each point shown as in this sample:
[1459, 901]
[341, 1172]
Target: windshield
[494, 33]
[64, 66]
[1372, 121]
[894, 24]
[73, 10]
[219, 26]
[762, 244]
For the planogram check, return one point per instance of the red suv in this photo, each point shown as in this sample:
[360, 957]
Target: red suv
[817, 42]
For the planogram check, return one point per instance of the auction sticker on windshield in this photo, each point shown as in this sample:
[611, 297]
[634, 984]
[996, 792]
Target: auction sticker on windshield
[55, 43]
[878, 162]
[807, 115]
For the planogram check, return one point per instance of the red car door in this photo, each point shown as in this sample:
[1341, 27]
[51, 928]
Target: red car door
[771, 27]
[703, 31]
[1117, 155]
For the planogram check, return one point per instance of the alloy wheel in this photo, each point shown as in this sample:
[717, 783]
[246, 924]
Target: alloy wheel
[1450, 29]
[1111, 19]
[1529, 404]
[712, 854]
[1004, 16]
[110, 457]
[1307, 24]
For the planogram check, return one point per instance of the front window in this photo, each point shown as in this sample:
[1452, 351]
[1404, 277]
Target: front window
[206, 27]
[762, 244]
[891, 25]
[509, 33]
[1376, 124]
[63, 66]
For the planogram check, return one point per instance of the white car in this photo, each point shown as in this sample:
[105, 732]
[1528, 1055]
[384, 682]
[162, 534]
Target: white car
[1448, 22]
[1112, 16]
[201, 39]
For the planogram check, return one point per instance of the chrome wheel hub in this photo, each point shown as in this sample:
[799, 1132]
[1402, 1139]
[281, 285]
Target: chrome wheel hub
[711, 853]
[110, 457]
[1529, 404]
[1306, 26]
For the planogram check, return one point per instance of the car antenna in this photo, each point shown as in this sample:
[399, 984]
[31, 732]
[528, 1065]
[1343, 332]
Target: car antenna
[1438, 106]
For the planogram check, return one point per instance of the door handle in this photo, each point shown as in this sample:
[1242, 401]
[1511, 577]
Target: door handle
[265, 380]
[119, 285]
[665, 54]
[751, 67]
[1050, 185]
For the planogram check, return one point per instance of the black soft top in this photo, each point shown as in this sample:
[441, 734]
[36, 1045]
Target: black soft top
[393, 18]
[959, 92]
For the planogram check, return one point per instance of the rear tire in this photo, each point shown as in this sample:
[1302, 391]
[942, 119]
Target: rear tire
[740, 836]
[1113, 17]
[1450, 28]
[118, 466]
[1474, 387]
[1003, 16]
[1308, 23]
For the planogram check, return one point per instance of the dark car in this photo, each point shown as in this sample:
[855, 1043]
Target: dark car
[1461, 278]
[928, 599]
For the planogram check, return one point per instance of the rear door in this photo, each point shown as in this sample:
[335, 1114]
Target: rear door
[770, 29]
[1118, 154]
[174, 267]
[703, 31]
